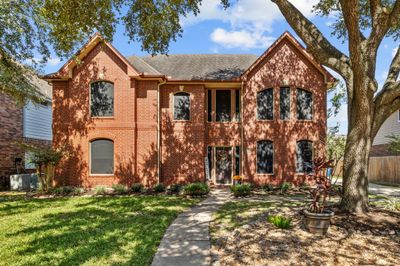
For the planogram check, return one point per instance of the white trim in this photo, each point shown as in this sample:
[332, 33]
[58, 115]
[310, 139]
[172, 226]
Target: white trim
[90, 157]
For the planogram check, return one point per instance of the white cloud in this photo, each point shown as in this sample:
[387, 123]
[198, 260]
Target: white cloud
[53, 61]
[240, 39]
[250, 21]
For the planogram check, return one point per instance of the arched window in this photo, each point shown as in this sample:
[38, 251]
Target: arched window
[102, 157]
[304, 105]
[101, 99]
[304, 151]
[265, 104]
[181, 106]
[265, 157]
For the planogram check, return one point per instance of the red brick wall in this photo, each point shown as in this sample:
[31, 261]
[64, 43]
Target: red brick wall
[183, 142]
[284, 66]
[10, 132]
[74, 128]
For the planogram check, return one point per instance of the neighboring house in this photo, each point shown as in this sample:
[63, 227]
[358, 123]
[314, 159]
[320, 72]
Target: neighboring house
[185, 118]
[389, 127]
[30, 123]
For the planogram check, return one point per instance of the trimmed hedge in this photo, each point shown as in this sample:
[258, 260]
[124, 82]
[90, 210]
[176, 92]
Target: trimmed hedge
[241, 190]
[196, 189]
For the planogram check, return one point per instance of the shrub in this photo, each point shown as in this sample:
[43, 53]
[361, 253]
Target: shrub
[241, 190]
[65, 190]
[137, 187]
[175, 188]
[280, 221]
[100, 190]
[159, 188]
[268, 187]
[285, 186]
[119, 189]
[196, 189]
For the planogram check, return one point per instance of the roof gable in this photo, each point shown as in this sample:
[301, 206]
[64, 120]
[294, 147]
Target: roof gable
[65, 71]
[286, 36]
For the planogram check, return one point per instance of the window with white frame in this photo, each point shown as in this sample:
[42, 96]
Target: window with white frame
[181, 106]
[102, 157]
[101, 99]
[265, 104]
[304, 105]
[304, 152]
[265, 157]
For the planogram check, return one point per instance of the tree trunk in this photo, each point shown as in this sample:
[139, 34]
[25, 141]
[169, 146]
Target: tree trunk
[355, 168]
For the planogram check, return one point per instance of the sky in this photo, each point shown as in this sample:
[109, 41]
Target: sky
[247, 27]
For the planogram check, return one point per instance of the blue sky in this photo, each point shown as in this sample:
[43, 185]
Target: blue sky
[248, 26]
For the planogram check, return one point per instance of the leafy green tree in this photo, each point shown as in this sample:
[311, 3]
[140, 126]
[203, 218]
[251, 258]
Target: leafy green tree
[394, 143]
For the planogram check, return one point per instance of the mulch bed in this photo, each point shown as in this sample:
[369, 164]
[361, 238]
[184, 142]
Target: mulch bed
[371, 239]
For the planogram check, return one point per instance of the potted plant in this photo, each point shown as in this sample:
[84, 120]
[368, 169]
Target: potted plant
[317, 216]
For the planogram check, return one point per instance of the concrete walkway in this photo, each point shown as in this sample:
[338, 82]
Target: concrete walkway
[187, 240]
[388, 191]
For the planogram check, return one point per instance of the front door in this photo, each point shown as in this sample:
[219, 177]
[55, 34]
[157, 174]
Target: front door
[223, 165]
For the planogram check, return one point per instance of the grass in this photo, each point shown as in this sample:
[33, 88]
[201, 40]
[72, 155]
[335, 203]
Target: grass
[234, 214]
[85, 231]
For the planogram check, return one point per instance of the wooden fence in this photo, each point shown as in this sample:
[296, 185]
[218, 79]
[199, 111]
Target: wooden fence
[381, 169]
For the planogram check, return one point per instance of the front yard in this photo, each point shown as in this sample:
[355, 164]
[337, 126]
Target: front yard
[242, 235]
[121, 230]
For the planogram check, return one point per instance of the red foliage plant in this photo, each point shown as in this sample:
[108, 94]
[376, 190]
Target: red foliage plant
[323, 185]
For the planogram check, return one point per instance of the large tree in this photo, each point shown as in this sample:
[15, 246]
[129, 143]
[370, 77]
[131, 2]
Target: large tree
[30, 29]
[368, 108]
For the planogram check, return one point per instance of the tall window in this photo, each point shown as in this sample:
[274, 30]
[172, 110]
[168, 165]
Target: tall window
[209, 105]
[304, 105]
[101, 99]
[304, 152]
[102, 156]
[223, 105]
[284, 103]
[237, 105]
[265, 157]
[237, 160]
[181, 106]
[265, 104]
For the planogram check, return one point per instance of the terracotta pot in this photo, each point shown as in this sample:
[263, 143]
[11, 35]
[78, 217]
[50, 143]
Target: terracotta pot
[317, 223]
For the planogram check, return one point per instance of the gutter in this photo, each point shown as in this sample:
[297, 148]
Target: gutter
[159, 131]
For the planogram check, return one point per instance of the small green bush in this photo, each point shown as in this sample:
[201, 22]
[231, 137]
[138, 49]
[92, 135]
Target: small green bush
[196, 189]
[66, 190]
[159, 188]
[175, 188]
[100, 190]
[268, 187]
[241, 190]
[280, 221]
[285, 186]
[119, 189]
[137, 188]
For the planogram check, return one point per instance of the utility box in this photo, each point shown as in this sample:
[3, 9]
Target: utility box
[24, 182]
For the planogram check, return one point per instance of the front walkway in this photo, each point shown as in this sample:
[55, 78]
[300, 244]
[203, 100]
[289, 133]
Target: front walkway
[187, 240]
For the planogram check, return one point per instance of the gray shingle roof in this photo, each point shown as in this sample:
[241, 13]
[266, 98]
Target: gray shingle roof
[195, 66]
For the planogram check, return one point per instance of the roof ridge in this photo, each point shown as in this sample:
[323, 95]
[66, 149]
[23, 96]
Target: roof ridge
[150, 56]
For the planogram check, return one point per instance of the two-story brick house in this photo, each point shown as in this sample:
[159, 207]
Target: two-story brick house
[185, 118]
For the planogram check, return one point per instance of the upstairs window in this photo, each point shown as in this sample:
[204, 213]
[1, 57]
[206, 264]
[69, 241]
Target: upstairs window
[102, 157]
[223, 106]
[101, 99]
[304, 105]
[284, 103]
[265, 105]
[181, 106]
[265, 157]
[304, 151]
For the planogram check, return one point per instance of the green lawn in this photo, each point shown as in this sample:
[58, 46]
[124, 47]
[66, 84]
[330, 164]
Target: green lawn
[85, 231]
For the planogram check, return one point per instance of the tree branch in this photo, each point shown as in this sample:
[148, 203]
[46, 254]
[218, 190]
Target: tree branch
[382, 21]
[316, 43]
[388, 99]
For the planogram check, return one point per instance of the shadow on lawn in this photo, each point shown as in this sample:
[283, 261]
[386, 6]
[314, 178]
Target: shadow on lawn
[120, 230]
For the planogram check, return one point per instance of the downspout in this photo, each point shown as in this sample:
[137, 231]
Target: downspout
[159, 131]
[242, 130]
